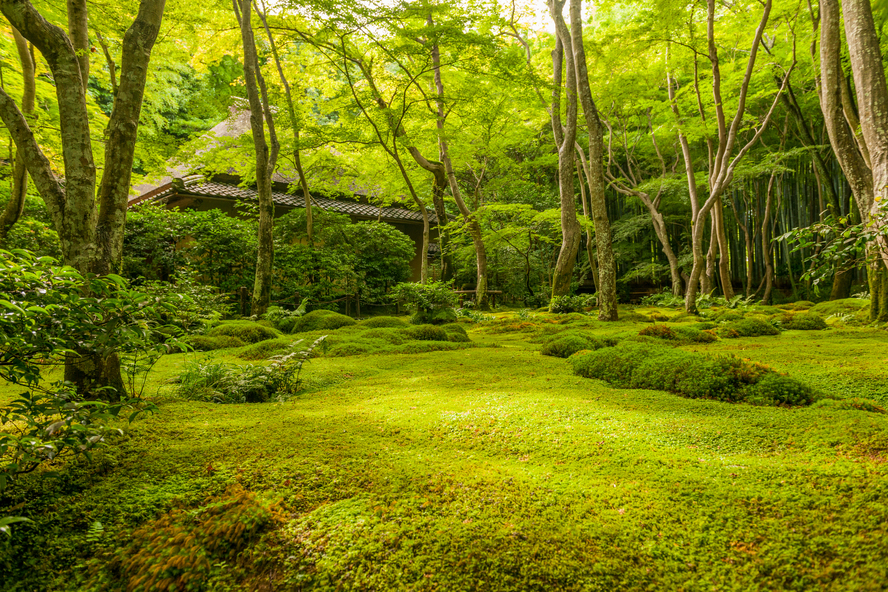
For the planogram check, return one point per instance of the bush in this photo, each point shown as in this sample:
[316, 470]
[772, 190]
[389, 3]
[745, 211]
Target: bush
[567, 345]
[209, 343]
[427, 333]
[322, 320]
[432, 303]
[752, 327]
[284, 320]
[456, 333]
[695, 335]
[774, 389]
[379, 322]
[645, 365]
[567, 304]
[265, 349]
[658, 331]
[435, 317]
[803, 322]
[246, 331]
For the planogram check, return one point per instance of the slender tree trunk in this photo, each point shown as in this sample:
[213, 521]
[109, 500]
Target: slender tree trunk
[291, 109]
[565, 137]
[767, 257]
[266, 159]
[724, 252]
[78, 32]
[607, 270]
[16, 205]
[590, 254]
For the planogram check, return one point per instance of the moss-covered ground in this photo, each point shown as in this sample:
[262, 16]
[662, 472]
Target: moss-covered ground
[489, 468]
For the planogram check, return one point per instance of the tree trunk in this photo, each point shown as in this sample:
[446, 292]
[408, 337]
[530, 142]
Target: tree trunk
[872, 101]
[565, 137]
[593, 267]
[266, 158]
[16, 205]
[607, 271]
[89, 237]
[724, 252]
[766, 242]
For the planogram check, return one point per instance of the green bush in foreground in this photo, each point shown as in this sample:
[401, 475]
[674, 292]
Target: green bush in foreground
[456, 333]
[649, 366]
[246, 331]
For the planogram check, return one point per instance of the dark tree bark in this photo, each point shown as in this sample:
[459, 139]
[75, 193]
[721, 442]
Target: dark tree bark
[16, 205]
[90, 236]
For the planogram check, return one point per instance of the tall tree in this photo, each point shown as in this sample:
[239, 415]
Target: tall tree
[565, 139]
[266, 157]
[722, 160]
[90, 230]
[863, 158]
[607, 271]
[16, 204]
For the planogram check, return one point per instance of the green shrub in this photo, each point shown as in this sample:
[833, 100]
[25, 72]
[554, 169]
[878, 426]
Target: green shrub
[210, 343]
[567, 345]
[803, 322]
[695, 335]
[567, 304]
[434, 317]
[456, 333]
[427, 333]
[266, 349]
[774, 389]
[246, 331]
[322, 320]
[751, 327]
[652, 366]
[380, 322]
[613, 364]
[658, 331]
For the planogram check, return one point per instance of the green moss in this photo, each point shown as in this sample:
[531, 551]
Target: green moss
[265, 349]
[843, 306]
[246, 331]
[427, 333]
[564, 346]
[658, 331]
[436, 317]
[456, 333]
[803, 322]
[379, 322]
[208, 343]
[752, 327]
[322, 320]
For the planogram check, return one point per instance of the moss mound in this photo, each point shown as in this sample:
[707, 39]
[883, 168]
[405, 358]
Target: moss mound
[246, 331]
[658, 331]
[564, 346]
[208, 343]
[265, 349]
[427, 333]
[751, 327]
[843, 306]
[322, 320]
[456, 333]
[649, 366]
[803, 322]
[437, 317]
[379, 322]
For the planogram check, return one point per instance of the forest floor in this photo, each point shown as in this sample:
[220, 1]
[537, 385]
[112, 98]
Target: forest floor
[490, 468]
